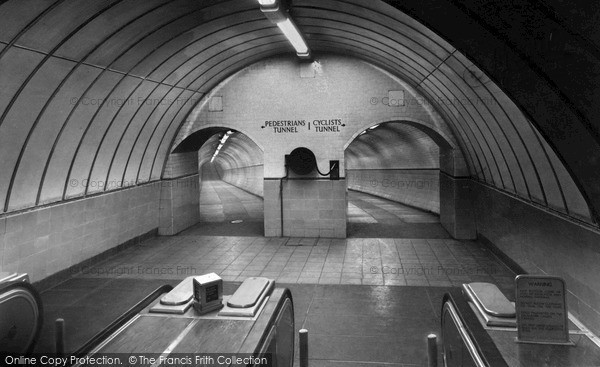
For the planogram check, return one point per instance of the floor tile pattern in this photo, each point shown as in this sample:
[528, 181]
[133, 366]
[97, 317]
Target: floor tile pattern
[368, 261]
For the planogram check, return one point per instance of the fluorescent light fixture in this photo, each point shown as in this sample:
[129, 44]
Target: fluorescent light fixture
[279, 16]
[293, 35]
[221, 144]
[272, 10]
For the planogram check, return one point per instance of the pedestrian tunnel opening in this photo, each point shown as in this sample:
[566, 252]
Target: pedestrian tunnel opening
[230, 181]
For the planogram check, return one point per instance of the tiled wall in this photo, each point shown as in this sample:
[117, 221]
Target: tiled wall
[179, 204]
[47, 240]
[311, 208]
[418, 188]
[180, 194]
[456, 207]
[544, 243]
[181, 164]
[246, 178]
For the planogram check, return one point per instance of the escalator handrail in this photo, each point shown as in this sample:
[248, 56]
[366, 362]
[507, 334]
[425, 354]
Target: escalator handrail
[39, 303]
[464, 335]
[121, 320]
[482, 343]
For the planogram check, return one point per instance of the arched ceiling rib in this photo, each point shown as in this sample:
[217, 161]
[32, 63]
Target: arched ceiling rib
[120, 54]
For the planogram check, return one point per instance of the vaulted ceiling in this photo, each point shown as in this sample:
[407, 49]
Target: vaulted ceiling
[96, 90]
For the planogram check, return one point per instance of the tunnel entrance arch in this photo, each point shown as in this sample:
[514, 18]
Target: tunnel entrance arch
[406, 162]
[229, 190]
[499, 148]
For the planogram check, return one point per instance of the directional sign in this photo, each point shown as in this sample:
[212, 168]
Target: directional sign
[295, 126]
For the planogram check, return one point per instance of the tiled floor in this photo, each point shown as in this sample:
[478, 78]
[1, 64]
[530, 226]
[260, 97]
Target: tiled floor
[369, 261]
[364, 300]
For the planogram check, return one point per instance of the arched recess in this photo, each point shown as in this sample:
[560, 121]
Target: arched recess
[218, 154]
[405, 161]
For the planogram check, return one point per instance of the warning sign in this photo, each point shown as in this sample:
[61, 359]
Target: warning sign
[541, 310]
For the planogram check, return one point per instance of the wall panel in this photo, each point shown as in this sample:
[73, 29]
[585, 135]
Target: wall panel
[131, 132]
[184, 102]
[16, 15]
[41, 143]
[22, 118]
[61, 22]
[67, 143]
[108, 100]
[100, 171]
